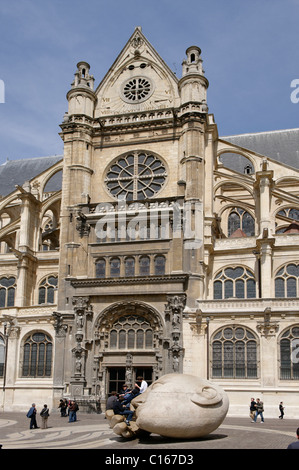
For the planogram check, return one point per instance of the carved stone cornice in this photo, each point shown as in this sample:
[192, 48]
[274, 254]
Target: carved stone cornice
[94, 282]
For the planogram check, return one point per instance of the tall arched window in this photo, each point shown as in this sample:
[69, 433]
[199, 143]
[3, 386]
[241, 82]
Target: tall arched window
[240, 219]
[131, 332]
[286, 281]
[234, 353]
[115, 267]
[289, 364]
[144, 266]
[7, 291]
[130, 266]
[37, 358]
[46, 290]
[235, 282]
[101, 268]
[159, 265]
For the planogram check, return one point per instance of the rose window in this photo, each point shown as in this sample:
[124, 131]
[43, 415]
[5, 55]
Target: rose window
[136, 176]
[137, 90]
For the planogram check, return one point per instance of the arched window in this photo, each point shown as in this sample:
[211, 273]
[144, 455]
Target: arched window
[7, 291]
[101, 268]
[130, 266]
[240, 219]
[115, 267]
[159, 265]
[286, 281]
[234, 353]
[289, 362]
[131, 332]
[286, 220]
[37, 359]
[46, 290]
[2, 356]
[235, 282]
[144, 266]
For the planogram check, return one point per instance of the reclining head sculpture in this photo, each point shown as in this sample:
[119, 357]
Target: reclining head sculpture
[176, 406]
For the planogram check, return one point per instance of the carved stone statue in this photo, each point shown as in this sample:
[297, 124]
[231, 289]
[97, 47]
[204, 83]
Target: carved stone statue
[198, 408]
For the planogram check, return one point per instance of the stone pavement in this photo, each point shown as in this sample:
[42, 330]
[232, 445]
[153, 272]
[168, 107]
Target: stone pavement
[91, 431]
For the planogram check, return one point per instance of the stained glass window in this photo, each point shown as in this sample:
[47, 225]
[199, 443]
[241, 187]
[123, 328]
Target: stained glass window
[7, 291]
[37, 359]
[235, 282]
[234, 353]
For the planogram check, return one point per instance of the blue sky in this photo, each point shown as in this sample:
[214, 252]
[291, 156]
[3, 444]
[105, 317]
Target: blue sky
[250, 52]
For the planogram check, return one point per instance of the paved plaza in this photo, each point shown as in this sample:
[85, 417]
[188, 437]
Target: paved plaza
[91, 431]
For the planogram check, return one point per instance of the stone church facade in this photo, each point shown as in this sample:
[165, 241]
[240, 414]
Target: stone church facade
[162, 248]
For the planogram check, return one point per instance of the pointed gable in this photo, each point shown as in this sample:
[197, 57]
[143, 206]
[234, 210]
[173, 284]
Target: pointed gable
[138, 80]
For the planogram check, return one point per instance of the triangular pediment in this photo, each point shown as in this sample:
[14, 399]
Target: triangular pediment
[138, 80]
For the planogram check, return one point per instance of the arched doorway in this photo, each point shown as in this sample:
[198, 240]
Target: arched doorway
[128, 345]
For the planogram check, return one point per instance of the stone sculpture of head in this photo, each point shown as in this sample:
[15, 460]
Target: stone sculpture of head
[181, 406]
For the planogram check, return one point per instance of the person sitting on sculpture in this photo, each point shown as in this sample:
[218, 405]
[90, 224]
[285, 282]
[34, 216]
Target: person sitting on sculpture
[119, 408]
[124, 390]
[128, 397]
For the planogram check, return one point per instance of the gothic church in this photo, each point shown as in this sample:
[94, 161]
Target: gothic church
[152, 245]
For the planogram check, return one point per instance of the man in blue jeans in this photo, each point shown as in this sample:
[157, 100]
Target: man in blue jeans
[73, 408]
[120, 409]
[259, 410]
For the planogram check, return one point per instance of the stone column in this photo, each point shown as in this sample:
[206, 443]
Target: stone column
[174, 314]
[268, 330]
[60, 348]
[79, 354]
[12, 344]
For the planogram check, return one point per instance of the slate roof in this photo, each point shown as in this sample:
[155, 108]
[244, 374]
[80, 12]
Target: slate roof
[14, 172]
[281, 145]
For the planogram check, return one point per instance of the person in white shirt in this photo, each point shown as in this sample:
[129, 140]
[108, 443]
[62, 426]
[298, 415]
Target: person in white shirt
[143, 385]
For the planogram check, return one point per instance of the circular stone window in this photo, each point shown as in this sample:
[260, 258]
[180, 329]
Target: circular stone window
[136, 176]
[136, 90]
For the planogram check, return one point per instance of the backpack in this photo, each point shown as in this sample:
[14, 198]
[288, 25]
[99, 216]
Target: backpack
[30, 413]
[76, 407]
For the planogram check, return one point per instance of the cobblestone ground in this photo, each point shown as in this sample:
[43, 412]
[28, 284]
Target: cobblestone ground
[91, 431]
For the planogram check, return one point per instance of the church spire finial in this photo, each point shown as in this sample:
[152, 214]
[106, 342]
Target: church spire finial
[193, 63]
[82, 76]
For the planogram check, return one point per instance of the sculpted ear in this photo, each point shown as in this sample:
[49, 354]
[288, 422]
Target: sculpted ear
[206, 397]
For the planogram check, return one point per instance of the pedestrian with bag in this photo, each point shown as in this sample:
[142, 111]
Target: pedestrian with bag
[32, 415]
[44, 415]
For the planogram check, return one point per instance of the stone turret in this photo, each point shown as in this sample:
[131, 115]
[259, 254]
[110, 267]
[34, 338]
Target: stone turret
[81, 97]
[193, 84]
